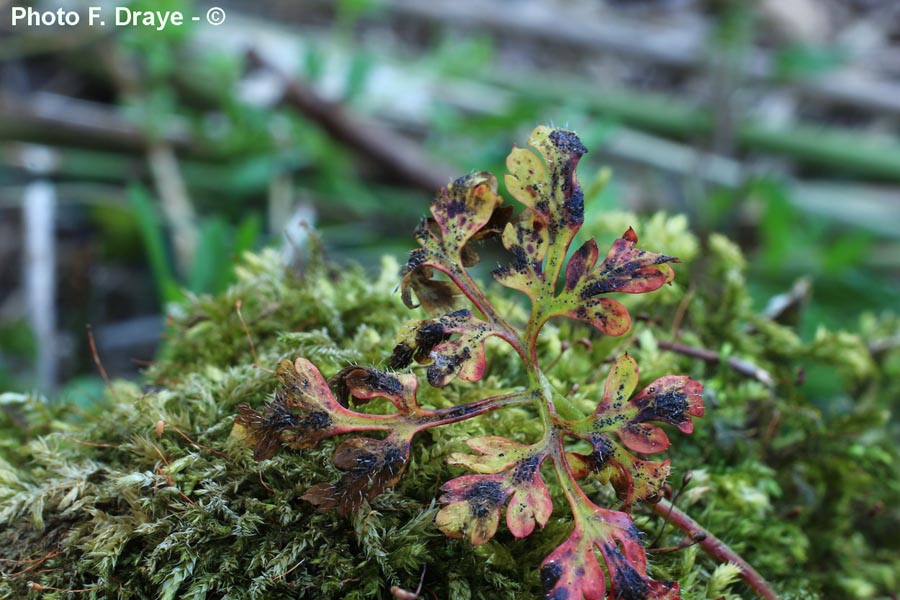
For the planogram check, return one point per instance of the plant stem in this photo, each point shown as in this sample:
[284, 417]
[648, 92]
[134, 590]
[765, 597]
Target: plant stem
[714, 547]
[452, 414]
[741, 366]
[462, 280]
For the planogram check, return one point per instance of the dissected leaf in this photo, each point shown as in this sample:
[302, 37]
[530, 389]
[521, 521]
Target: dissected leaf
[572, 572]
[305, 411]
[672, 399]
[370, 466]
[527, 239]
[549, 188]
[452, 344]
[468, 209]
[365, 383]
[302, 414]
[554, 211]
[508, 470]
[540, 236]
[625, 269]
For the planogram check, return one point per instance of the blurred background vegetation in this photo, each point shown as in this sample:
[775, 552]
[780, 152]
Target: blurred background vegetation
[136, 166]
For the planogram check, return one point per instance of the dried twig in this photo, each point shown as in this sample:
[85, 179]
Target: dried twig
[51, 118]
[714, 547]
[389, 150]
[739, 365]
[96, 357]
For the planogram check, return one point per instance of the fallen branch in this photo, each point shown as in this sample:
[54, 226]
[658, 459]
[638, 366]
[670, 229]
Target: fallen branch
[392, 152]
[44, 117]
[714, 547]
[739, 365]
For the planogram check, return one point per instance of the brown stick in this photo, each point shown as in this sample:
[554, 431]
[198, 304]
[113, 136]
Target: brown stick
[44, 117]
[96, 357]
[714, 547]
[392, 152]
[743, 367]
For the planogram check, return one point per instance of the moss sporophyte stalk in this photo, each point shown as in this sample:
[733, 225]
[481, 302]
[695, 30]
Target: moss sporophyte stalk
[508, 476]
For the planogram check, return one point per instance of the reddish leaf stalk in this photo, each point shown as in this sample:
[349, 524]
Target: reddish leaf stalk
[470, 289]
[715, 547]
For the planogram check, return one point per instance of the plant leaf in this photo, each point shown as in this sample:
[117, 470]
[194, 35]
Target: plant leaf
[467, 209]
[527, 239]
[571, 572]
[452, 344]
[628, 269]
[305, 411]
[370, 466]
[625, 269]
[365, 383]
[554, 210]
[671, 399]
[549, 188]
[508, 470]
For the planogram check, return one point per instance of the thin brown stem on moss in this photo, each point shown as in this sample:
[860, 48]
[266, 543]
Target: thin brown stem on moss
[714, 547]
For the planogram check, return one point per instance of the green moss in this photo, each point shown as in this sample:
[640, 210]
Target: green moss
[803, 479]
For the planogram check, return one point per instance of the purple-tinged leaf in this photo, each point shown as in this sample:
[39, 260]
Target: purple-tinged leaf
[365, 383]
[581, 263]
[633, 478]
[452, 344]
[628, 269]
[672, 399]
[467, 209]
[474, 501]
[608, 315]
[572, 572]
[625, 269]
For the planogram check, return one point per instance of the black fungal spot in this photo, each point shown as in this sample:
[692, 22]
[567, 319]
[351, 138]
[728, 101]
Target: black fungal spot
[603, 451]
[416, 258]
[575, 207]
[520, 258]
[459, 183]
[460, 315]
[316, 420]
[669, 407]
[427, 337]
[525, 469]
[543, 207]
[628, 584]
[550, 574]
[567, 142]
[384, 382]
[455, 207]
[401, 357]
[484, 498]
